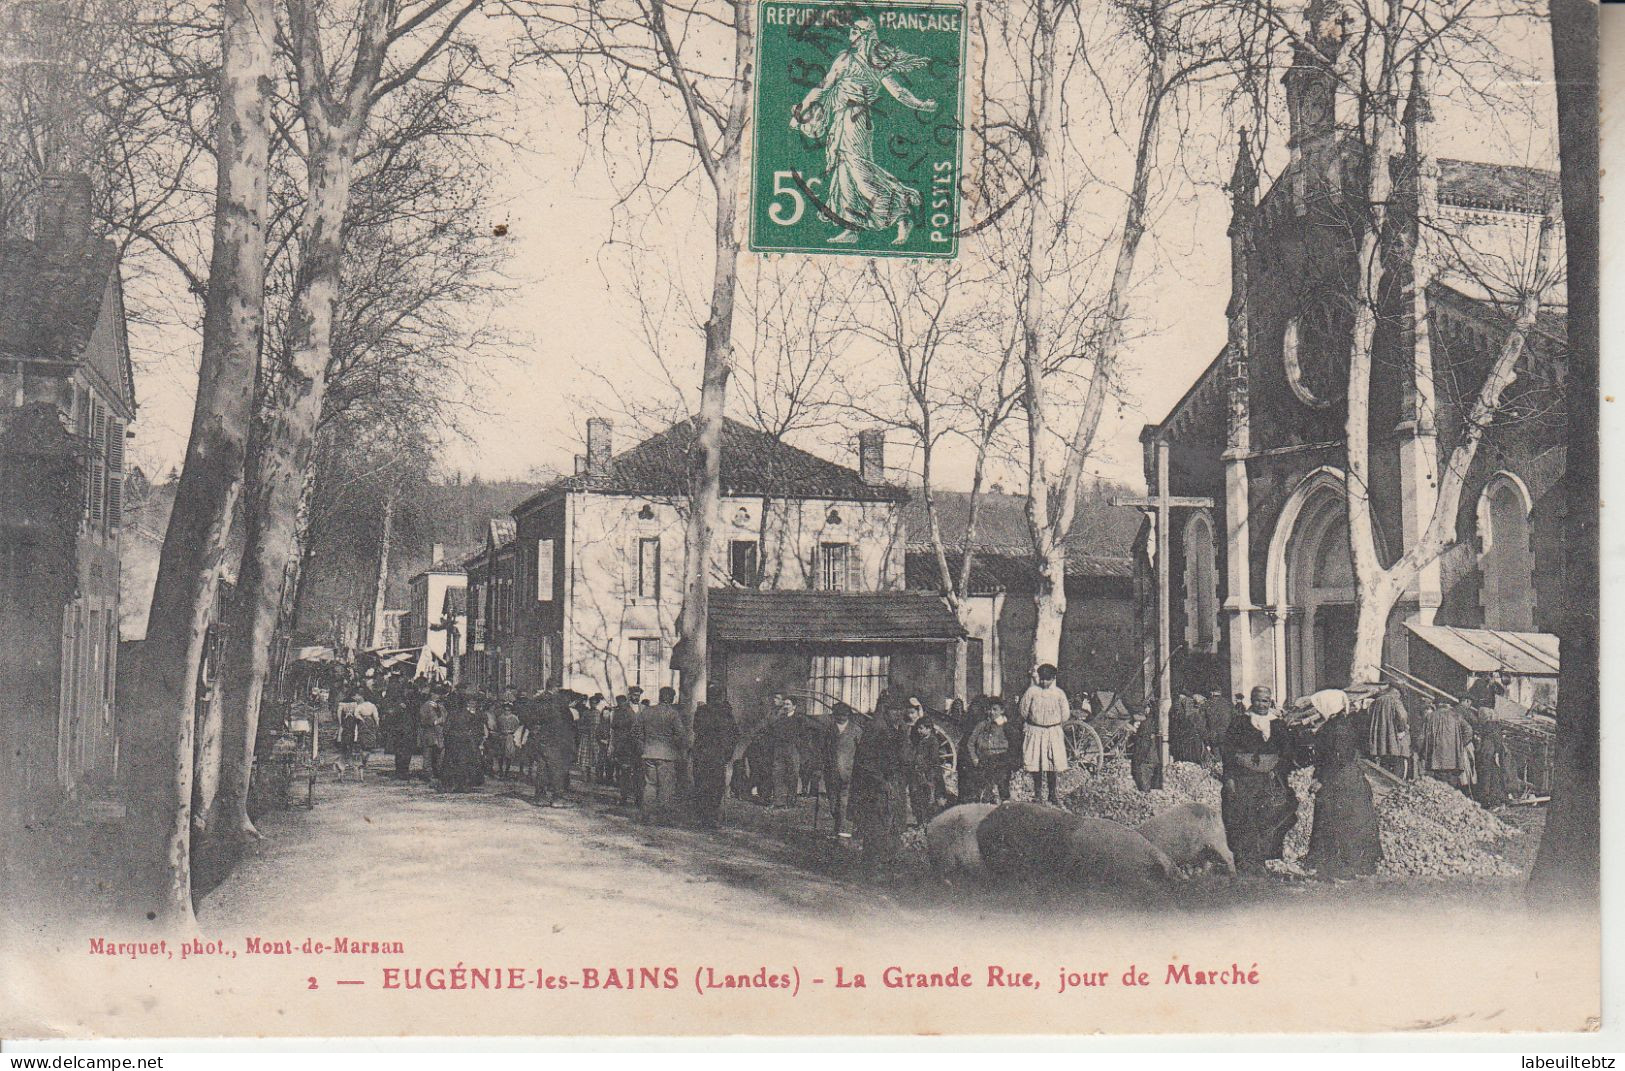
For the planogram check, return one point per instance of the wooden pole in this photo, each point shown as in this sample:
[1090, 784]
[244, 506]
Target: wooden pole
[1165, 516]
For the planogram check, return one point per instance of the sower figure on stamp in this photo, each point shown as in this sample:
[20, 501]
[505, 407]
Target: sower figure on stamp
[839, 112]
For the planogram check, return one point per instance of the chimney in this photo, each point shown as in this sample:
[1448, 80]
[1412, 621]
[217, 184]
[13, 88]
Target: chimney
[581, 464]
[437, 554]
[64, 211]
[600, 433]
[872, 455]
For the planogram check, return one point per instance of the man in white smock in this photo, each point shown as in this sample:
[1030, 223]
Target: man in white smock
[1044, 712]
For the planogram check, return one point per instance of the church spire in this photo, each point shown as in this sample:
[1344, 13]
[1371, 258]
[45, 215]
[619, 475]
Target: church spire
[1244, 179]
[1418, 107]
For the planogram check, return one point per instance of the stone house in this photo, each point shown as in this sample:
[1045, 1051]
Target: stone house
[807, 574]
[68, 393]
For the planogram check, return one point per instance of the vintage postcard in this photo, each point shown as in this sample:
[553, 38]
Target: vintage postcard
[799, 517]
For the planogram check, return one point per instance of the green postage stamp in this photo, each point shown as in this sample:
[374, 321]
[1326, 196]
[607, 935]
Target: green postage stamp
[859, 124]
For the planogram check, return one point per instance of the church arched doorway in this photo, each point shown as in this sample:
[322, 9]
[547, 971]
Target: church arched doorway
[1310, 588]
[1320, 596]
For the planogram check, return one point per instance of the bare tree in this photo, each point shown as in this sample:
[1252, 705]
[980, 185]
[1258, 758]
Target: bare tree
[1072, 289]
[952, 376]
[680, 76]
[1379, 57]
[194, 544]
[332, 292]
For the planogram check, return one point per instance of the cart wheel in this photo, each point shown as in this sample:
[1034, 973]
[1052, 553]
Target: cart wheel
[1083, 747]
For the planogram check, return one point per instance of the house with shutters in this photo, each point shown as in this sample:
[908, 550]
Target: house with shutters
[491, 614]
[436, 621]
[68, 397]
[807, 575]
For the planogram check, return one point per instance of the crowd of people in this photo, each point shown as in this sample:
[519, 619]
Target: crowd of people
[1459, 743]
[874, 774]
[1255, 745]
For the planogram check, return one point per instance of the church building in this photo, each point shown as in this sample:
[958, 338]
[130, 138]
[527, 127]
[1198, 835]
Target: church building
[1260, 582]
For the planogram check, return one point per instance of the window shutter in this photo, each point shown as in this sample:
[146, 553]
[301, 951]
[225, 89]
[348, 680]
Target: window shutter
[854, 569]
[115, 473]
[97, 473]
[544, 570]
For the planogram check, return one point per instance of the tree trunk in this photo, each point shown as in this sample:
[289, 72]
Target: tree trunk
[161, 725]
[707, 496]
[1373, 604]
[272, 505]
[380, 594]
[1051, 604]
[691, 657]
[1566, 867]
[1042, 233]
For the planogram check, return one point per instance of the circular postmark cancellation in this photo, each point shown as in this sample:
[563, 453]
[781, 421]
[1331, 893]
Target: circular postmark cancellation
[859, 123]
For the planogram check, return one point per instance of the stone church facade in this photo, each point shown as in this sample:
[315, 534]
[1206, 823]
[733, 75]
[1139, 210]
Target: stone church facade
[1261, 583]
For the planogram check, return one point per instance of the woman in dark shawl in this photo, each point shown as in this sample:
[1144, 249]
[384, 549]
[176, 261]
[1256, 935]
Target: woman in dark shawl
[1258, 806]
[1184, 732]
[1343, 841]
[1496, 778]
[461, 769]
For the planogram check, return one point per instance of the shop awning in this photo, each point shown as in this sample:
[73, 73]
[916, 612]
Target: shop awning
[1482, 650]
[312, 654]
[743, 616]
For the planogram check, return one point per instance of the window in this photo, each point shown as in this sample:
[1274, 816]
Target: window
[1201, 587]
[544, 663]
[1506, 560]
[834, 563]
[648, 664]
[854, 679]
[649, 569]
[476, 619]
[544, 570]
[743, 562]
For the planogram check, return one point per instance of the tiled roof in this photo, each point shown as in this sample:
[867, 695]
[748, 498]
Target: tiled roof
[753, 463]
[1551, 321]
[502, 530]
[738, 615]
[1099, 529]
[1470, 184]
[992, 571]
[50, 299]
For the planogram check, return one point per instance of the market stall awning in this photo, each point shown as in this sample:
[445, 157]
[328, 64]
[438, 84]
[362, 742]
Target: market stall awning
[1482, 650]
[744, 616]
[312, 654]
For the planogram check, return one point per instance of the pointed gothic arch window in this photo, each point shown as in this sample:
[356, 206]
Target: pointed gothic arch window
[1201, 587]
[1506, 560]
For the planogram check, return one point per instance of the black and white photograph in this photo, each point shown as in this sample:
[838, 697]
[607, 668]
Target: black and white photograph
[612, 518]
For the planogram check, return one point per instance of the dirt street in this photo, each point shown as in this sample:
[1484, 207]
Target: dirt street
[763, 928]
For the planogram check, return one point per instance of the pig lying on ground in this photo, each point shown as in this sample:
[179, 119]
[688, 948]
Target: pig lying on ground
[1191, 835]
[950, 840]
[1024, 840]
[1103, 852]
